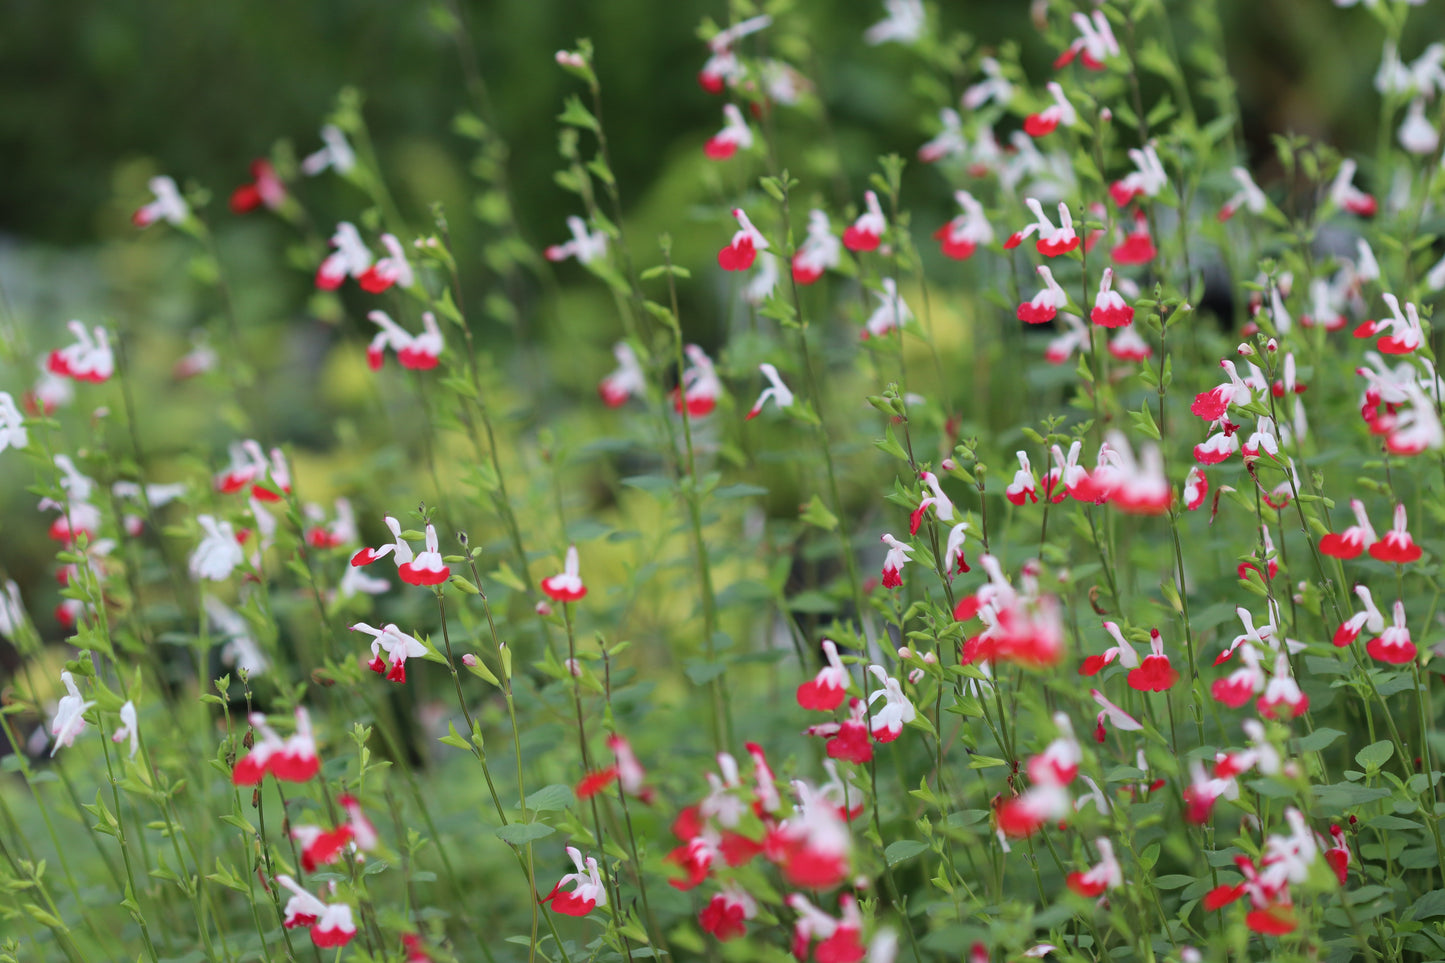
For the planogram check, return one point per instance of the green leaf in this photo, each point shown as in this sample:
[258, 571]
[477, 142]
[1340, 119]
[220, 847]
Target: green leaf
[985, 762]
[1430, 905]
[575, 115]
[552, 798]
[817, 514]
[1375, 755]
[701, 673]
[520, 834]
[903, 849]
[1321, 738]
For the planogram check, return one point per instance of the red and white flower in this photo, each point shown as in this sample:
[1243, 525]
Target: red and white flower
[289, 760]
[700, 385]
[351, 258]
[12, 424]
[994, 87]
[1110, 311]
[1128, 344]
[1053, 241]
[1240, 685]
[168, 205]
[395, 645]
[392, 269]
[727, 913]
[1354, 539]
[424, 568]
[819, 252]
[1096, 42]
[1249, 196]
[960, 237]
[1393, 645]
[847, 740]
[265, 188]
[888, 722]
[1105, 874]
[1369, 618]
[1282, 696]
[865, 233]
[942, 505]
[1121, 650]
[418, 352]
[899, 555]
[776, 390]
[1047, 120]
[1397, 546]
[723, 67]
[1120, 719]
[1023, 485]
[1147, 179]
[588, 892]
[1196, 487]
[953, 560]
[1211, 405]
[840, 939]
[948, 142]
[1344, 193]
[89, 359]
[736, 135]
[1137, 488]
[1042, 307]
[218, 553]
[826, 690]
[566, 586]
[904, 23]
[744, 247]
[586, 246]
[1137, 247]
[1154, 673]
[69, 720]
[331, 925]
[626, 381]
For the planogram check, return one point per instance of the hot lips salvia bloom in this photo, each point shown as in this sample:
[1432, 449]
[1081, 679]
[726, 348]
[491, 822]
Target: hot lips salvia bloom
[289, 760]
[566, 586]
[424, 568]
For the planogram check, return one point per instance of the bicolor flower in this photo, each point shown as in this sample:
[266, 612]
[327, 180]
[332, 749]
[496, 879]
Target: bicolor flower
[1052, 241]
[764, 281]
[69, 720]
[1204, 791]
[351, 258]
[392, 269]
[1047, 120]
[586, 246]
[1344, 193]
[626, 381]
[700, 387]
[892, 312]
[1417, 135]
[89, 359]
[264, 188]
[1121, 650]
[1354, 539]
[1405, 333]
[1282, 696]
[865, 233]
[334, 534]
[726, 915]
[1249, 196]
[776, 390]
[1137, 247]
[887, 723]
[218, 553]
[1415, 429]
[723, 66]
[1067, 477]
[903, 24]
[331, 925]
[395, 645]
[948, 142]
[812, 846]
[1023, 485]
[960, 237]
[1096, 42]
[1105, 874]
[747, 241]
[167, 206]
[847, 740]
[1120, 719]
[240, 649]
[129, 728]
[289, 760]
[840, 939]
[736, 135]
[1396, 545]
[1110, 311]
[419, 352]
[335, 154]
[1042, 307]
[899, 554]
[820, 250]
[12, 610]
[942, 505]
[1393, 645]
[567, 585]
[1211, 405]
[425, 568]
[1128, 344]
[1154, 673]
[1146, 180]
[994, 87]
[1240, 685]
[588, 891]
[1196, 487]
[953, 560]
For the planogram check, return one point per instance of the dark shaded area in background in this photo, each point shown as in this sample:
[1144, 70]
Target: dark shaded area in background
[203, 88]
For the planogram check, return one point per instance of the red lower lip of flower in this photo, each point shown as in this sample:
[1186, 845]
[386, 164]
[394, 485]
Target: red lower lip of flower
[1030, 314]
[412, 575]
[858, 240]
[737, 256]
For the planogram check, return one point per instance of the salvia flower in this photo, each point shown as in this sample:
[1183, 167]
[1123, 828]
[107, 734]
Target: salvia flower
[1146, 180]
[747, 241]
[331, 925]
[1096, 42]
[567, 585]
[819, 252]
[700, 387]
[1105, 874]
[626, 381]
[960, 237]
[1052, 240]
[1196, 487]
[1282, 696]
[953, 560]
[218, 553]
[588, 892]
[1137, 247]
[865, 233]
[948, 142]
[847, 740]
[1121, 650]
[69, 720]
[825, 691]
[1042, 307]
[1110, 311]
[1154, 673]
[335, 153]
[12, 424]
[1120, 719]
[289, 760]
[1047, 120]
[903, 24]
[389, 270]
[1211, 405]
[899, 554]
[89, 359]
[586, 246]
[395, 645]
[726, 915]
[264, 188]
[736, 135]
[129, 728]
[1393, 645]
[994, 86]
[1249, 196]
[941, 504]
[891, 313]
[776, 390]
[1023, 485]
[723, 66]
[351, 258]
[1128, 344]
[1344, 194]
[897, 710]
[418, 352]
[1417, 135]
[764, 281]
[425, 568]
[12, 610]
[1397, 546]
[168, 205]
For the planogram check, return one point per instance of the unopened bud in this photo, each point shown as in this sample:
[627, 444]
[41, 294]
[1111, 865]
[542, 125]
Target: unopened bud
[1271, 346]
[1106, 115]
[570, 58]
[574, 667]
[1246, 350]
[469, 660]
[904, 652]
